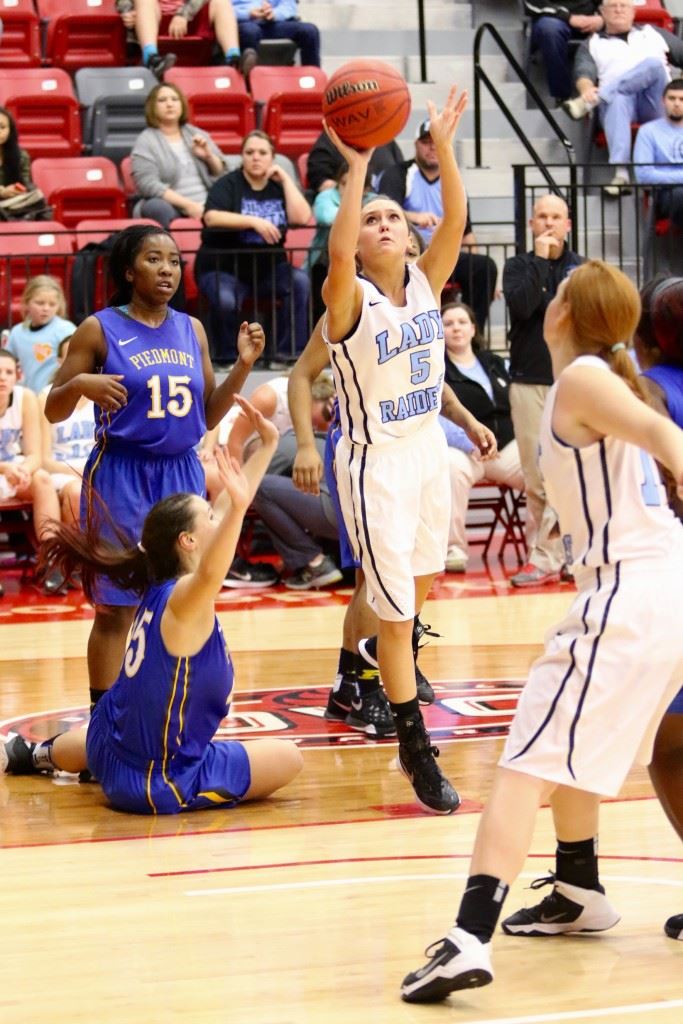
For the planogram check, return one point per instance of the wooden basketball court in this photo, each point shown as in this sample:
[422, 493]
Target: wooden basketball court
[310, 907]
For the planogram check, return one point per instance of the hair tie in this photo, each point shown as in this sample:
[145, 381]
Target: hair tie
[618, 346]
[140, 548]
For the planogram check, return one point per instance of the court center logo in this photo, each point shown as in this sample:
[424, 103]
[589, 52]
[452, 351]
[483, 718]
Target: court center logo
[463, 710]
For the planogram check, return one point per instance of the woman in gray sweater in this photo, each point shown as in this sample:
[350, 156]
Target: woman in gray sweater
[174, 163]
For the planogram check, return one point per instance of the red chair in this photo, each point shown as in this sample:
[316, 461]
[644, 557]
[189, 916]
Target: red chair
[291, 105]
[194, 50]
[27, 249]
[43, 104]
[127, 179]
[302, 169]
[653, 12]
[80, 187]
[504, 506]
[298, 242]
[218, 102]
[187, 232]
[92, 232]
[84, 33]
[20, 47]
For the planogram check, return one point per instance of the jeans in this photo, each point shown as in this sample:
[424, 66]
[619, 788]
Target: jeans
[636, 96]
[551, 36]
[303, 33]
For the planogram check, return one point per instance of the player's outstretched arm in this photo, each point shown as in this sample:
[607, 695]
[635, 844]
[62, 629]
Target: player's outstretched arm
[438, 260]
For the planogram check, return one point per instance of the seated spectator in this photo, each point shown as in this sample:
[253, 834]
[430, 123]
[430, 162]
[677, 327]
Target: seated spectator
[66, 447]
[35, 341]
[480, 381]
[246, 210]
[15, 163]
[416, 186]
[276, 19]
[141, 18]
[174, 164]
[622, 70]
[325, 160]
[553, 27]
[660, 143]
[21, 475]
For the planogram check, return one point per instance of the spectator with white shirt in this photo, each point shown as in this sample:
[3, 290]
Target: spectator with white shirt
[173, 163]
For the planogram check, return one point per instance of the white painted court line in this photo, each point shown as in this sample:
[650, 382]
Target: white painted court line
[329, 883]
[611, 1011]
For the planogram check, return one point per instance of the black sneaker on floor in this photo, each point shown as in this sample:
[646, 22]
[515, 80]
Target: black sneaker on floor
[321, 575]
[19, 757]
[458, 961]
[674, 927]
[250, 575]
[370, 713]
[568, 908]
[368, 651]
[339, 700]
[417, 760]
[159, 64]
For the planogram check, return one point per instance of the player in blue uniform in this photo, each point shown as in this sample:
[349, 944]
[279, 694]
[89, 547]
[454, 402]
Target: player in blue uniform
[150, 738]
[594, 700]
[147, 368]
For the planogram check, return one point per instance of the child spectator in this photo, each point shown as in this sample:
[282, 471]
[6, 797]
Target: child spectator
[36, 339]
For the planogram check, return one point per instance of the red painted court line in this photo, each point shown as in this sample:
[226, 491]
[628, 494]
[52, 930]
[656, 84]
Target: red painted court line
[373, 860]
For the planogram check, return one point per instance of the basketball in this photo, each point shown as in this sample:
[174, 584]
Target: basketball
[367, 102]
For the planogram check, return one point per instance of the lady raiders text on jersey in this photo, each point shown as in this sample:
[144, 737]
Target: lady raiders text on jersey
[389, 371]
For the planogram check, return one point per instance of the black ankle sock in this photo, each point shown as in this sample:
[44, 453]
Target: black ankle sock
[95, 695]
[481, 905]
[347, 662]
[405, 710]
[367, 677]
[577, 863]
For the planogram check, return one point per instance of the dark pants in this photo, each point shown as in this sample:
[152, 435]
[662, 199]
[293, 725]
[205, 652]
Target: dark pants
[226, 294]
[551, 37]
[303, 33]
[294, 520]
[476, 276]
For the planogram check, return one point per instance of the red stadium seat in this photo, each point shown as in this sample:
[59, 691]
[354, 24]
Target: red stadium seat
[298, 242]
[27, 249]
[20, 47]
[127, 179]
[80, 187]
[302, 169]
[99, 228]
[653, 12]
[218, 102]
[83, 33]
[193, 50]
[43, 104]
[187, 232]
[291, 101]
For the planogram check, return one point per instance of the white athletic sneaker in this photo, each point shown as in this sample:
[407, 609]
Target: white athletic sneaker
[458, 961]
[456, 559]
[566, 909]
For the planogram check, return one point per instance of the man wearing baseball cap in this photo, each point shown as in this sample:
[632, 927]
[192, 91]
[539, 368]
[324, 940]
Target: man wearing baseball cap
[416, 186]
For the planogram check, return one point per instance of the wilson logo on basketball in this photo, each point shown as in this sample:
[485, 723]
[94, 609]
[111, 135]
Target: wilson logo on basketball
[338, 92]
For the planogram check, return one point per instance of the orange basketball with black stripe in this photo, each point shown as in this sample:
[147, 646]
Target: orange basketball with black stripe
[367, 102]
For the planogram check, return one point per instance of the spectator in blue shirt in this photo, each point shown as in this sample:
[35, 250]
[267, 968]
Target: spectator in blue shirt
[660, 142]
[276, 19]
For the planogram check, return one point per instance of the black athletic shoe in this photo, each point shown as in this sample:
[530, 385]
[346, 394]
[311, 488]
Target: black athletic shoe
[674, 927]
[568, 908]
[425, 690]
[19, 755]
[417, 760]
[456, 962]
[371, 714]
[159, 64]
[250, 575]
[421, 629]
[339, 700]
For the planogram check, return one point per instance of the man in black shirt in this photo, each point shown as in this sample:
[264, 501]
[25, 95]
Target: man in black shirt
[530, 281]
[325, 162]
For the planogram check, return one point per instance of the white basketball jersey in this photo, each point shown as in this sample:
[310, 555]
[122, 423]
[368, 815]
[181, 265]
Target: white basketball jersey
[11, 426]
[72, 440]
[608, 496]
[389, 371]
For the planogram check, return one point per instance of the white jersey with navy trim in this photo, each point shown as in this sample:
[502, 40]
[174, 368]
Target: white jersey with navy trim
[608, 496]
[389, 371]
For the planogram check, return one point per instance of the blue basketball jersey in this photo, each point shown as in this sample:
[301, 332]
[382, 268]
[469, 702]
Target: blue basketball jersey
[670, 380]
[163, 374]
[163, 710]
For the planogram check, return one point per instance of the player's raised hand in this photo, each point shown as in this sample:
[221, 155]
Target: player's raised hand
[266, 430]
[443, 125]
[251, 341]
[351, 156]
[233, 479]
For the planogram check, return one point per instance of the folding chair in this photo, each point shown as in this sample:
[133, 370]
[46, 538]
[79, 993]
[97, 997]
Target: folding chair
[114, 108]
[43, 104]
[504, 506]
[80, 187]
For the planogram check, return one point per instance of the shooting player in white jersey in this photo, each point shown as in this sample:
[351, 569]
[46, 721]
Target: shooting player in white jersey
[385, 336]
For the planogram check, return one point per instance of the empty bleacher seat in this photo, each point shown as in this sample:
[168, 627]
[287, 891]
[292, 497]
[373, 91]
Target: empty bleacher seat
[44, 105]
[114, 108]
[290, 102]
[20, 46]
[218, 102]
[83, 33]
[80, 187]
[27, 249]
[653, 12]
